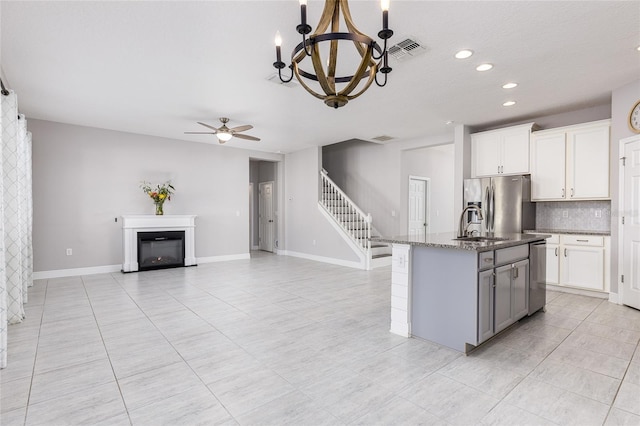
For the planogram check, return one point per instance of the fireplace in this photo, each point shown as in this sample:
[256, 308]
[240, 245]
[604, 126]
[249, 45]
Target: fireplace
[153, 242]
[159, 250]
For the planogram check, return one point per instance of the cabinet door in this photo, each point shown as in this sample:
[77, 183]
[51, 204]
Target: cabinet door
[520, 290]
[485, 305]
[548, 157]
[588, 165]
[583, 267]
[515, 152]
[502, 299]
[553, 263]
[485, 154]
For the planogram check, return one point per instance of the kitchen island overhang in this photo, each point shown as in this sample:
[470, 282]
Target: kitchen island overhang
[459, 293]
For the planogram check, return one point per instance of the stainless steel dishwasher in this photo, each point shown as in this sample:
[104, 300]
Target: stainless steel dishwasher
[537, 276]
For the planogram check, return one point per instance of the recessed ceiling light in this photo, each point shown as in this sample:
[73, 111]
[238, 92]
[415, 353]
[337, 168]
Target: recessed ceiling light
[509, 85]
[464, 54]
[484, 67]
[638, 48]
[509, 103]
[448, 123]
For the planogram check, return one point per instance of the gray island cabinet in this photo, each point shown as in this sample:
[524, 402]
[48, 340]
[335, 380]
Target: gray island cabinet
[459, 293]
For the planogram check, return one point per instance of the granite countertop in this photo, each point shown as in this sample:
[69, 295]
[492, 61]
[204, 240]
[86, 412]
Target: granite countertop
[447, 240]
[568, 231]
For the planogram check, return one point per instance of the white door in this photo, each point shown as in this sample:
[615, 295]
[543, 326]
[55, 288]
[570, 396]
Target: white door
[265, 219]
[417, 208]
[631, 227]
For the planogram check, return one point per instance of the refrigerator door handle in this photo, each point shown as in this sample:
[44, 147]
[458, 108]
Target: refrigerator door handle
[487, 208]
[493, 203]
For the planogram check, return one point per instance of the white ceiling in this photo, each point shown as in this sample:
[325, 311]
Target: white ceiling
[156, 68]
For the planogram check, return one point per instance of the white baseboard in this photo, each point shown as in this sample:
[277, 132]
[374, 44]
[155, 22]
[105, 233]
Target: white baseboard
[212, 259]
[400, 329]
[613, 298]
[562, 289]
[59, 273]
[323, 259]
[255, 247]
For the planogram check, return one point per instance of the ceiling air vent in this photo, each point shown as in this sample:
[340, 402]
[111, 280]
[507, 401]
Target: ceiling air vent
[383, 138]
[407, 49]
[273, 78]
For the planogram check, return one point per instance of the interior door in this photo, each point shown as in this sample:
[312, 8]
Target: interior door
[418, 208]
[631, 237]
[266, 223]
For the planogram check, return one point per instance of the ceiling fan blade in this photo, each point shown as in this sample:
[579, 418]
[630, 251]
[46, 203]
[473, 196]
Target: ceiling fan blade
[247, 137]
[206, 125]
[199, 133]
[242, 128]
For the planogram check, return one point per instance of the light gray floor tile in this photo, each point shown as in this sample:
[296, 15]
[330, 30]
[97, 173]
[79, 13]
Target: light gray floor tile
[400, 412]
[577, 380]
[628, 398]
[504, 357]
[53, 358]
[601, 345]
[556, 404]
[633, 373]
[14, 417]
[209, 343]
[249, 389]
[293, 408]
[505, 414]
[612, 333]
[15, 394]
[102, 403]
[451, 400]
[619, 417]
[195, 406]
[145, 356]
[593, 361]
[62, 381]
[153, 385]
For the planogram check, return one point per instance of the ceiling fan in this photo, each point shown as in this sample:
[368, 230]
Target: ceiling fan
[224, 133]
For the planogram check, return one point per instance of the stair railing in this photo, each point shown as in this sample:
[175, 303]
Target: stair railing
[355, 222]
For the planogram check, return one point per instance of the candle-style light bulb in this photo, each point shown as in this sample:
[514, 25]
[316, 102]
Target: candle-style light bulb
[384, 4]
[303, 12]
[278, 39]
[385, 33]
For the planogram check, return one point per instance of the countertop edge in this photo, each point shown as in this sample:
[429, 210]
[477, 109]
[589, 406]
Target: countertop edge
[567, 232]
[466, 245]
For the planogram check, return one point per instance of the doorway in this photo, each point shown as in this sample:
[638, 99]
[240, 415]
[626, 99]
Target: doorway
[629, 250]
[418, 219]
[265, 216]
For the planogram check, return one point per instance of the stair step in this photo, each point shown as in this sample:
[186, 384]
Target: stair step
[379, 256]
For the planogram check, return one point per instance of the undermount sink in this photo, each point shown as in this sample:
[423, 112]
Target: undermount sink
[480, 239]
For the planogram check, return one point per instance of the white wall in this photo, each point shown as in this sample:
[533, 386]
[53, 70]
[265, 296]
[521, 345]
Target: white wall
[84, 178]
[622, 99]
[304, 223]
[437, 164]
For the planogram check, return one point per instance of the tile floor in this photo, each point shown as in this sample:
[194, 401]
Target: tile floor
[277, 340]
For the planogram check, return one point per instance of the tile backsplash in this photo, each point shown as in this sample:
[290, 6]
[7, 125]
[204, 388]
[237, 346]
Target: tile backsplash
[574, 215]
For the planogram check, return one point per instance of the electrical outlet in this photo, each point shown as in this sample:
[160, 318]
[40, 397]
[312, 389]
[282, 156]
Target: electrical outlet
[565, 213]
[598, 213]
[69, 252]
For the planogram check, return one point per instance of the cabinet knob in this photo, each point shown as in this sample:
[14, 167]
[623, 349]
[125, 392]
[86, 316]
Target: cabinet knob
[565, 252]
[556, 251]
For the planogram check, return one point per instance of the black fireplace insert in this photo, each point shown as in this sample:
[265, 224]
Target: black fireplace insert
[160, 250]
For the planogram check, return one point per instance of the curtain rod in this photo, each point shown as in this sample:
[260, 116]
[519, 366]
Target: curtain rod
[4, 91]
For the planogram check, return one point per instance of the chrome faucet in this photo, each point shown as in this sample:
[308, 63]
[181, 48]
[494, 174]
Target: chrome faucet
[462, 227]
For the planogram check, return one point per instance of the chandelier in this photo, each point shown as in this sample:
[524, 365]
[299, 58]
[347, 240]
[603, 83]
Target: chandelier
[336, 90]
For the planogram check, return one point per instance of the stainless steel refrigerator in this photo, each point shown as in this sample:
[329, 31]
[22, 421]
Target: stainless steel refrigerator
[505, 202]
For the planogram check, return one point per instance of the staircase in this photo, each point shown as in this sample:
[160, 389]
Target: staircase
[355, 225]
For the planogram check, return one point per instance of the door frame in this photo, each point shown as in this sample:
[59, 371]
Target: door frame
[427, 200]
[621, 149]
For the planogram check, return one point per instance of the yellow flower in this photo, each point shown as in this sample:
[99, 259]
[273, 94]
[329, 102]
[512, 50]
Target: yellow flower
[162, 196]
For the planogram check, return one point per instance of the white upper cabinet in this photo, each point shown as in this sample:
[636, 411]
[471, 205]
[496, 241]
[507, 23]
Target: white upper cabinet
[571, 163]
[503, 151]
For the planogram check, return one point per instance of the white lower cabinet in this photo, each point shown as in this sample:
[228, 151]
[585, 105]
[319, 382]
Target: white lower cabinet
[578, 261]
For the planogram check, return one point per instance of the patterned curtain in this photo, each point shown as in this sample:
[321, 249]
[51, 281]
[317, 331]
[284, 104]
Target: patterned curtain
[16, 217]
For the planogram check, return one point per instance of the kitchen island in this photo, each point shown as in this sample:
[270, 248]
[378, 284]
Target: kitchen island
[459, 293]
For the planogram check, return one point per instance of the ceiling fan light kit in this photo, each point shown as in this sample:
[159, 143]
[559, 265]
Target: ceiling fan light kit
[223, 133]
[373, 58]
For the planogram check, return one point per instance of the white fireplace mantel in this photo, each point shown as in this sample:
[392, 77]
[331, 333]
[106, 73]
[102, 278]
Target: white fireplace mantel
[132, 224]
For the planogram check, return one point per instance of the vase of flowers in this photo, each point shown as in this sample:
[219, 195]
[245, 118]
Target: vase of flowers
[159, 194]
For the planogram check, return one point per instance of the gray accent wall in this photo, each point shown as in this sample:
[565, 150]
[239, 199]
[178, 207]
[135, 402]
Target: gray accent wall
[306, 229]
[84, 178]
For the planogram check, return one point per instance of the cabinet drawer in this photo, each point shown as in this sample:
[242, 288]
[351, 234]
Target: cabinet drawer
[583, 240]
[485, 260]
[512, 254]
